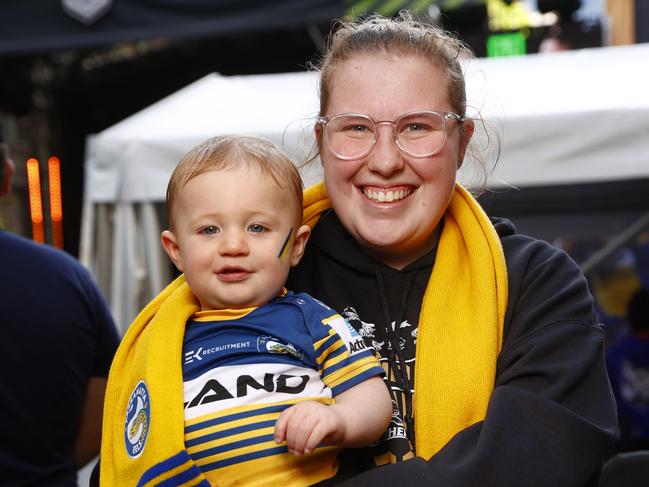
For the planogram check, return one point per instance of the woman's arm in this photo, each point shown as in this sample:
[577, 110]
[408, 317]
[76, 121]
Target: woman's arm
[551, 418]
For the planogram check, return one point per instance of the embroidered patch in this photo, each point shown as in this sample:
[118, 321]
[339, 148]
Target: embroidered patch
[138, 420]
[269, 344]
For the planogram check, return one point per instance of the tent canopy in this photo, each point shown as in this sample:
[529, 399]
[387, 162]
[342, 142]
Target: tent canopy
[571, 117]
[566, 118]
[132, 161]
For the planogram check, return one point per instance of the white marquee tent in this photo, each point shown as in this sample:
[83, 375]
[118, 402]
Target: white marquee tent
[569, 117]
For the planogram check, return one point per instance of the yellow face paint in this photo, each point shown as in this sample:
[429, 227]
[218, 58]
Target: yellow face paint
[283, 252]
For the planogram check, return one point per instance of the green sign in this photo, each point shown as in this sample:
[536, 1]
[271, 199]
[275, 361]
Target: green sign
[357, 8]
[510, 44]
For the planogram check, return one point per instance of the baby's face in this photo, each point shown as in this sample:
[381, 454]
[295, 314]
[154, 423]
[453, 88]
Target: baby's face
[234, 237]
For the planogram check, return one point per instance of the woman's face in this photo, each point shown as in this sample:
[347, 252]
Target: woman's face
[385, 87]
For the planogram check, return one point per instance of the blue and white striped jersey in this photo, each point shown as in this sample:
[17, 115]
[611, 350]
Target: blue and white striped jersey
[243, 367]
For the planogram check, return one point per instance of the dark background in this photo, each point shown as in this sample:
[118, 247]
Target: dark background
[63, 80]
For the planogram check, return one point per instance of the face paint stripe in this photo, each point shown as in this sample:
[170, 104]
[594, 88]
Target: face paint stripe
[284, 250]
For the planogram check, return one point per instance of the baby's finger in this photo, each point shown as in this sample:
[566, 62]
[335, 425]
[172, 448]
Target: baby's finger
[282, 424]
[318, 434]
[298, 433]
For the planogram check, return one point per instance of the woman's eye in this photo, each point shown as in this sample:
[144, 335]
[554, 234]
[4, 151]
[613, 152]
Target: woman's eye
[210, 230]
[356, 128]
[416, 127]
[256, 228]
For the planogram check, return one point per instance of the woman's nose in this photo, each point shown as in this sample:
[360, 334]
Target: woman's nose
[233, 243]
[386, 157]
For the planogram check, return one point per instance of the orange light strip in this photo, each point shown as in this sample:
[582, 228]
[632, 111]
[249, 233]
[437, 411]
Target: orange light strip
[35, 200]
[56, 206]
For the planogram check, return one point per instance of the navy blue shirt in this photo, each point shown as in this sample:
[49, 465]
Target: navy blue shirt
[55, 333]
[628, 368]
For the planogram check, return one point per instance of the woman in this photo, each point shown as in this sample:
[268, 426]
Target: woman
[493, 353]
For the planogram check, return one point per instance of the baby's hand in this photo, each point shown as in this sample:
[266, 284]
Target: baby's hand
[307, 424]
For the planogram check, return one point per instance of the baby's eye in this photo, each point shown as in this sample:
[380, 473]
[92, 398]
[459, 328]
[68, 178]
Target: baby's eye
[256, 228]
[210, 230]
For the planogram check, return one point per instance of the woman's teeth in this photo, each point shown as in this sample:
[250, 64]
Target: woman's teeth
[386, 196]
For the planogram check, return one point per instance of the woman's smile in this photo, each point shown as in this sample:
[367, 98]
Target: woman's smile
[386, 195]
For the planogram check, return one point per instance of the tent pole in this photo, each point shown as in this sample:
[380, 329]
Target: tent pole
[598, 257]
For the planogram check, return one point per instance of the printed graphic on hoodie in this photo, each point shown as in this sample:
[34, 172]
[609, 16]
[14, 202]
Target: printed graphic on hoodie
[394, 445]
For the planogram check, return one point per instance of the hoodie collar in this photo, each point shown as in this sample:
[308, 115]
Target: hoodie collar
[331, 238]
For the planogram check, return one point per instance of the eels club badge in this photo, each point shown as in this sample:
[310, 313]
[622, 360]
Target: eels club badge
[138, 420]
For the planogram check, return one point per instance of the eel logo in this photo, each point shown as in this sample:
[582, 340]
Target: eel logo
[138, 420]
[271, 344]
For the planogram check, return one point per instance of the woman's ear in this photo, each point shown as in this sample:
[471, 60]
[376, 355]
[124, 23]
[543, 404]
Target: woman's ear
[170, 244]
[299, 244]
[468, 127]
[318, 130]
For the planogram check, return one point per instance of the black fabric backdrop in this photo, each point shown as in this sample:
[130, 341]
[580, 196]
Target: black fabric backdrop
[32, 26]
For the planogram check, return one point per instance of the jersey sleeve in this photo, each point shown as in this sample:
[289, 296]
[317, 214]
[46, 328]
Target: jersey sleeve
[343, 358]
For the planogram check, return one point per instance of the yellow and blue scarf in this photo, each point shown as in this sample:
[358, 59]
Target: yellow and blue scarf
[460, 323]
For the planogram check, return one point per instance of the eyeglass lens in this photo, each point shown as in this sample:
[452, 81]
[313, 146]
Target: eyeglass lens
[417, 134]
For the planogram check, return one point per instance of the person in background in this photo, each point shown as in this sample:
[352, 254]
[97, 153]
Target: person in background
[492, 350]
[57, 340]
[269, 385]
[628, 367]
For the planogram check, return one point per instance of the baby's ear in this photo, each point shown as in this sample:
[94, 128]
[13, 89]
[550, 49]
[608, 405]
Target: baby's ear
[299, 244]
[170, 244]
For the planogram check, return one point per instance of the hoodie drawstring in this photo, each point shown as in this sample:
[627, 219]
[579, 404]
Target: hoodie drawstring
[404, 382]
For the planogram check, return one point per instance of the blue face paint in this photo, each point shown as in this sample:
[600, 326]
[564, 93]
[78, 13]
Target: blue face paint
[285, 246]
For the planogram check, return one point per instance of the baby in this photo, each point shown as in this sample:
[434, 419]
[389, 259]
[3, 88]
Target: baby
[274, 383]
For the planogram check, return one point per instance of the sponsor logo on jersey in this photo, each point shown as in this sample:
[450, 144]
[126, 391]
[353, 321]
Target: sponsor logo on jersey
[357, 345]
[138, 420]
[269, 344]
[213, 390]
[191, 355]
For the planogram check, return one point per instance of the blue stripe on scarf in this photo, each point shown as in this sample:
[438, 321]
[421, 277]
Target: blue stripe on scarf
[181, 478]
[164, 466]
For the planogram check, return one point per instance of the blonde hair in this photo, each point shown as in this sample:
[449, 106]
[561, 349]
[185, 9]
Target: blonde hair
[403, 36]
[228, 151]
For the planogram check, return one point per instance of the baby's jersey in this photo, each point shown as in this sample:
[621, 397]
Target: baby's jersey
[243, 367]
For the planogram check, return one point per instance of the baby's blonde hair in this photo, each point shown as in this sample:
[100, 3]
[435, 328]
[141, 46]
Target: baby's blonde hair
[228, 151]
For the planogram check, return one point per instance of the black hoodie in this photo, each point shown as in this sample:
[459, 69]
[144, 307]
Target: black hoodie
[551, 418]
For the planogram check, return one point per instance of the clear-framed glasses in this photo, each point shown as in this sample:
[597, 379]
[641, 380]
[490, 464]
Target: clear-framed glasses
[417, 134]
